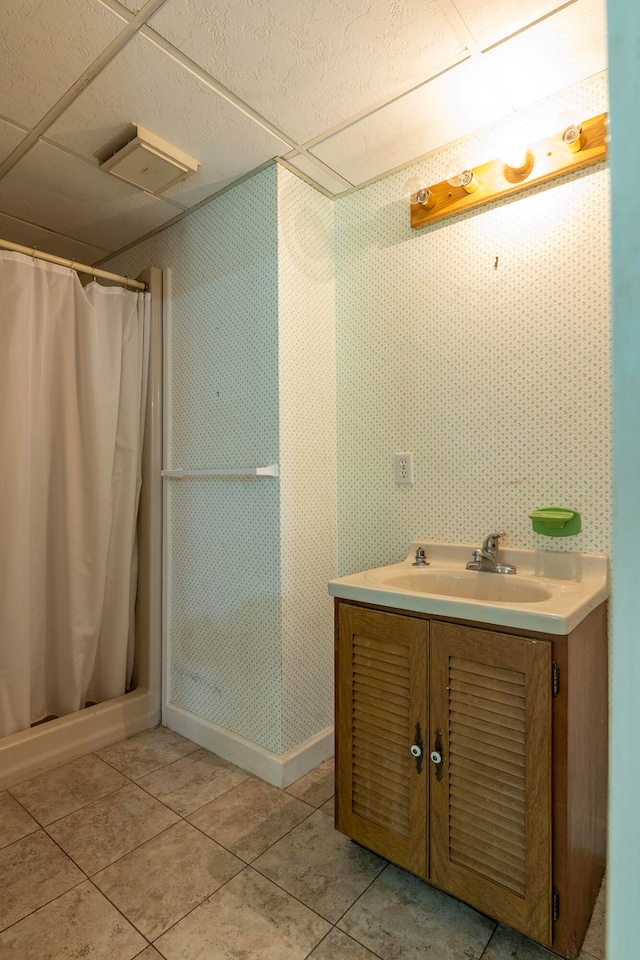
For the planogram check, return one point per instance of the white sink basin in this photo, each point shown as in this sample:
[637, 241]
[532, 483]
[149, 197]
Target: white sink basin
[468, 585]
[551, 592]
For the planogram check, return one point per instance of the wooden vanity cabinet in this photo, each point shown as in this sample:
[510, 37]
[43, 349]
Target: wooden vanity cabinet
[382, 711]
[511, 819]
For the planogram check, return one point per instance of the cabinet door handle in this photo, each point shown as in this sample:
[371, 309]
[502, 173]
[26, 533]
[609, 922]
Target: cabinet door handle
[436, 754]
[417, 748]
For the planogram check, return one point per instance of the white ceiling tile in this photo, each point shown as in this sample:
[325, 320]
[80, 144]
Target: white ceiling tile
[491, 20]
[10, 137]
[448, 107]
[317, 173]
[133, 5]
[145, 85]
[44, 47]
[309, 65]
[63, 193]
[29, 235]
[569, 46]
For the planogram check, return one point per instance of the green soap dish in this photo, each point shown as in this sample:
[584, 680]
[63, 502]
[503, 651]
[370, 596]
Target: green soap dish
[556, 522]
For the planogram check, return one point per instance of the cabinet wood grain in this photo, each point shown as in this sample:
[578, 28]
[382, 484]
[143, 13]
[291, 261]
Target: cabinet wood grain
[490, 815]
[510, 815]
[382, 704]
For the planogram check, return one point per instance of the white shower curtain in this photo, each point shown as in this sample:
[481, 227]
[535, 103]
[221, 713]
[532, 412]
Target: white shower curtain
[73, 367]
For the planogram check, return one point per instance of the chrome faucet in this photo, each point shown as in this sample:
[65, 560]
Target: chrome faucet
[486, 558]
[421, 558]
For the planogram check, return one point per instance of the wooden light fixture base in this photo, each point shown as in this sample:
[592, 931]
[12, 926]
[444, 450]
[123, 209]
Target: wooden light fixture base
[550, 160]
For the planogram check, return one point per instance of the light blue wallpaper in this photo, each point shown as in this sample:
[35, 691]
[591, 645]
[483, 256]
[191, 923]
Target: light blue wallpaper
[497, 379]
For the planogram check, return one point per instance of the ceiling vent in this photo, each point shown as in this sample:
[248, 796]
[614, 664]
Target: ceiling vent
[139, 157]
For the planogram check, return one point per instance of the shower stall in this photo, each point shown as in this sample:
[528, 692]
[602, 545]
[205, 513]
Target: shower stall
[38, 747]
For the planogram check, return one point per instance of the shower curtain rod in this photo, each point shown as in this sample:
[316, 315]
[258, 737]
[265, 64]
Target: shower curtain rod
[81, 267]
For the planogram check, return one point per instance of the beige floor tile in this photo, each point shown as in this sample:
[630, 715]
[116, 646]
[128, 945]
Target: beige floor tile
[329, 807]
[194, 780]
[146, 751]
[149, 954]
[33, 871]
[506, 944]
[15, 822]
[316, 786]
[320, 866]
[594, 942]
[68, 788]
[248, 919]
[160, 882]
[587, 956]
[79, 924]
[108, 828]
[338, 946]
[250, 818]
[401, 916]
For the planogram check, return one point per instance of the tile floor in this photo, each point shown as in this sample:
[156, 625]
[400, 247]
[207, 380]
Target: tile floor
[155, 848]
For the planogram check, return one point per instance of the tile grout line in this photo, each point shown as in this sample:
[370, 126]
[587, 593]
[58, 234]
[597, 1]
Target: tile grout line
[360, 895]
[486, 946]
[250, 866]
[118, 910]
[182, 819]
[42, 828]
[57, 897]
[334, 927]
[85, 876]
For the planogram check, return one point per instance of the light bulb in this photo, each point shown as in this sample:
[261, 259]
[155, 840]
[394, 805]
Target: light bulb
[571, 127]
[460, 176]
[517, 159]
[417, 191]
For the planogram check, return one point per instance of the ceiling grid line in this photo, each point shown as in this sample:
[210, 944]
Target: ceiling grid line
[380, 104]
[340, 100]
[528, 26]
[74, 91]
[461, 30]
[215, 85]
[96, 166]
[377, 108]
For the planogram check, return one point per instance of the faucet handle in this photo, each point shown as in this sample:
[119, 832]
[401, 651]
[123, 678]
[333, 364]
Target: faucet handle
[491, 541]
[421, 558]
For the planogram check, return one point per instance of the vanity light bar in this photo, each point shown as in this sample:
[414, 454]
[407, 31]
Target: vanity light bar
[547, 159]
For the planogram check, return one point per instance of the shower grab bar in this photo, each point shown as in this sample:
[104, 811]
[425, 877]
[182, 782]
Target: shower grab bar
[180, 474]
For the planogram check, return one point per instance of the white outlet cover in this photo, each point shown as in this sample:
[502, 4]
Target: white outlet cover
[403, 463]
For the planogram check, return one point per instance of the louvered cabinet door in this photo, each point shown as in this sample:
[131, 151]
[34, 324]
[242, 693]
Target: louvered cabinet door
[381, 712]
[490, 811]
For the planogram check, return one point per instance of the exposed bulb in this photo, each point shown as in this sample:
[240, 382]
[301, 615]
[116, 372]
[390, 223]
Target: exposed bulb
[571, 127]
[460, 176]
[417, 191]
[517, 158]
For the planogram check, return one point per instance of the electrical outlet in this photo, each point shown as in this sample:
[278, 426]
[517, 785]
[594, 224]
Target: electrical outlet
[404, 467]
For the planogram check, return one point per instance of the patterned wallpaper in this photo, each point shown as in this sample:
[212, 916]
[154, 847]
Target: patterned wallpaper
[307, 454]
[497, 379]
[252, 381]
[224, 627]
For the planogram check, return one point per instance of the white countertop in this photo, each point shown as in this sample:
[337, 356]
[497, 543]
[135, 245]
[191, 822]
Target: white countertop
[552, 591]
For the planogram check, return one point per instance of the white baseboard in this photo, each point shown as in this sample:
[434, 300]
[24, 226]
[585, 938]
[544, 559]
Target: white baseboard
[30, 752]
[277, 769]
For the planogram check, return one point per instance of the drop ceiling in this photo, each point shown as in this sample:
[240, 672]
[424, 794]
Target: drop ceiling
[341, 91]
